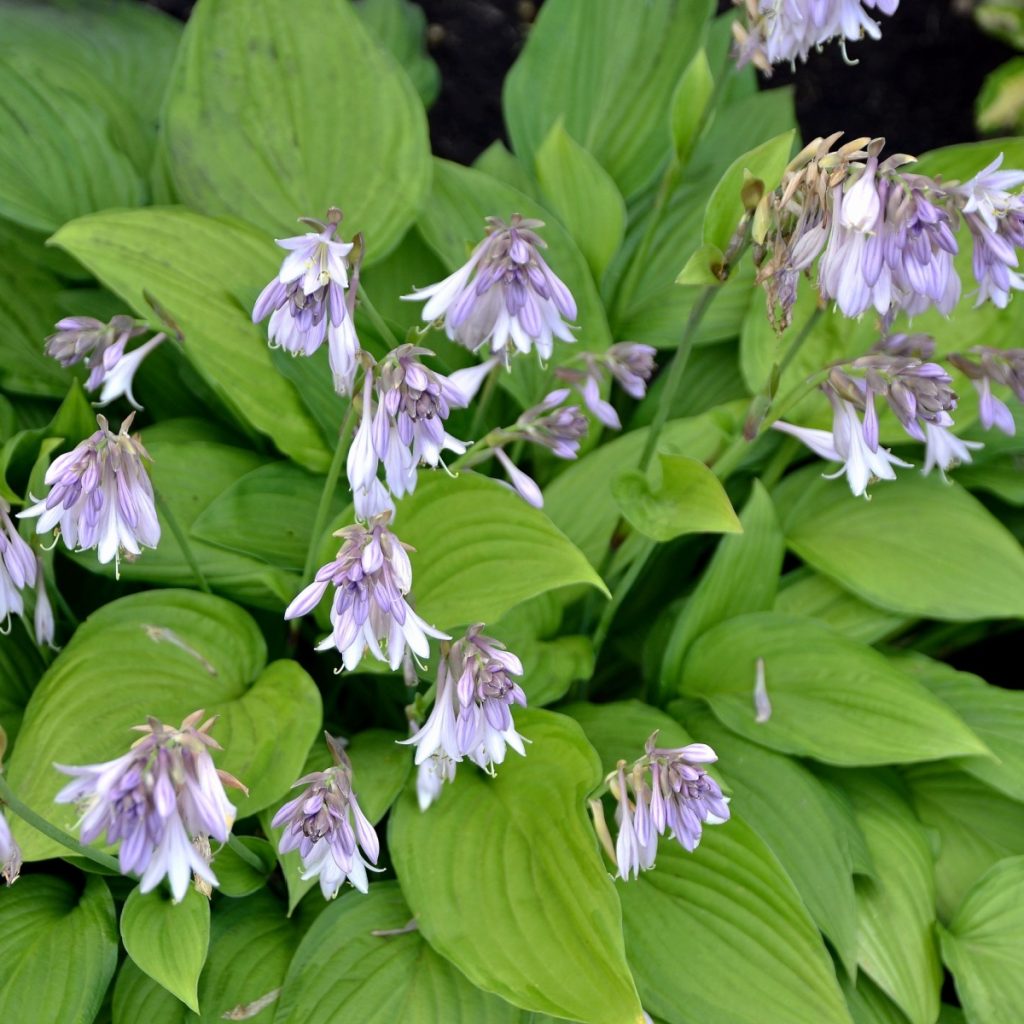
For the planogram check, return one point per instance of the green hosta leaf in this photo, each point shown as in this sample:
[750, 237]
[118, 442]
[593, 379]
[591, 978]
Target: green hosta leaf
[236, 877]
[742, 577]
[21, 665]
[58, 945]
[611, 86]
[272, 117]
[583, 195]
[765, 164]
[689, 499]
[921, 548]
[165, 654]
[690, 105]
[585, 483]
[268, 514]
[807, 594]
[832, 698]
[167, 940]
[976, 827]
[480, 550]
[995, 714]
[619, 730]
[207, 274]
[544, 934]
[401, 26]
[766, 787]
[343, 971]
[984, 946]
[869, 1004]
[896, 908]
[137, 997]
[1000, 104]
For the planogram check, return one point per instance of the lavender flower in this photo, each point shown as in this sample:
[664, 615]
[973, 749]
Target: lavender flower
[10, 853]
[17, 568]
[157, 800]
[472, 712]
[100, 496]
[42, 617]
[328, 828]
[505, 295]
[311, 299]
[783, 31]
[666, 789]
[944, 450]
[986, 366]
[372, 576]
[628, 362]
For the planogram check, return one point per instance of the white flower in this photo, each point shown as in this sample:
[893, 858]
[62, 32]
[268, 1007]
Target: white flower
[944, 450]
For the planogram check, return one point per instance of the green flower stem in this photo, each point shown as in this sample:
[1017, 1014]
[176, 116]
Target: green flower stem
[323, 510]
[620, 592]
[379, 323]
[58, 835]
[183, 542]
[245, 853]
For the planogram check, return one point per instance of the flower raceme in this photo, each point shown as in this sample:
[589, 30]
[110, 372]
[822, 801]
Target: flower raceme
[18, 568]
[667, 789]
[472, 713]
[505, 296]
[312, 299]
[371, 576]
[986, 366]
[100, 496]
[157, 800]
[326, 825]
[630, 363]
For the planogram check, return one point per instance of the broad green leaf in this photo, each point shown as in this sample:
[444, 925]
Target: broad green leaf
[505, 879]
[920, 547]
[729, 913]
[21, 665]
[688, 499]
[190, 475]
[807, 594]
[690, 105]
[401, 26]
[268, 514]
[766, 787]
[984, 946]
[832, 698]
[896, 907]
[271, 117]
[164, 653]
[343, 971]
[137, 997]
[207, 273]
[611, 86]
[585, 483]
[480, 550]
[500, 162]
[975, 825]
[1000, 104]
[869, 1004]
[765, 164]
[58, 945]
[236, 877]
[168, 941]
[619, 730]
[742, 577]
[64, 133]
[583, 195]
[995, 714]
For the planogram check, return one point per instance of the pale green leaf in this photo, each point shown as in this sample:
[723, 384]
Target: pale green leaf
[690, 105]
[689, 498]
[58, 945]
[832, 698]
[545, 935]
[272, 117]
[869, 1004]
[166, 654]
[137, 997]
[168, 941]
[236, 877]
[401, 26]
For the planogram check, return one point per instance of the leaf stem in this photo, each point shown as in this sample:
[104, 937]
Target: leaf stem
[245, 853]
[183, 542]
[58, 835]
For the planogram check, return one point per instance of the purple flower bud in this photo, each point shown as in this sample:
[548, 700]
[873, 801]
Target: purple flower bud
[100, 346]
[558, 429]
[156, 800]
[100, 496]
[504, 296]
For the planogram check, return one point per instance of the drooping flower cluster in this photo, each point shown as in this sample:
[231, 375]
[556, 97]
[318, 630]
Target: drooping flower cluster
[326, 825]
[986, 366]
[17, 568]
[667, 789]
[371, 576]
[156, 800]
[405, 405]
[101, 347]
[886, 236]
[472, 712]
[505, 296]
[630, 363]
[100, 496]
[312, 299]
[783, 31]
